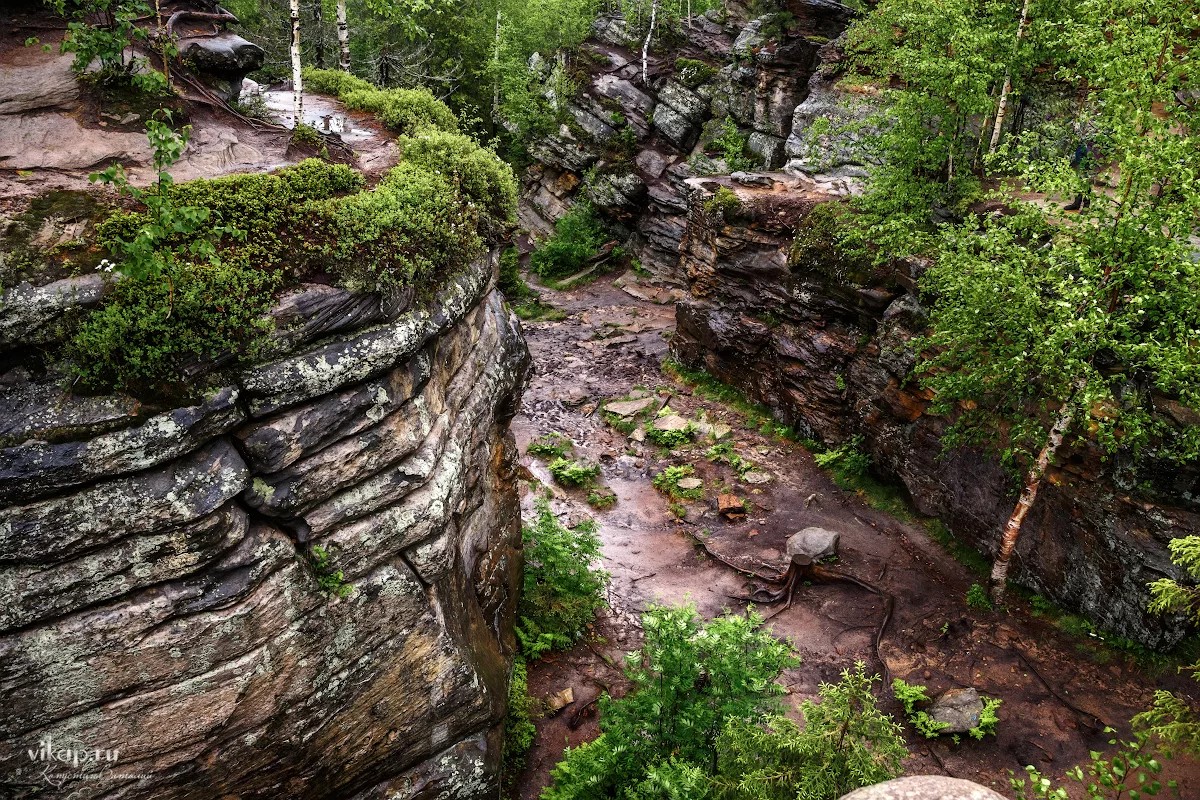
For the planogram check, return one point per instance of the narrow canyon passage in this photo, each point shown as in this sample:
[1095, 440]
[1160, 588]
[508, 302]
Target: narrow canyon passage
[1059, 690]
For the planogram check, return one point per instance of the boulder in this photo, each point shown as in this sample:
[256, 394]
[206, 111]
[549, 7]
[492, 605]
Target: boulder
[616, 193]
[924, 787]
[811, 545]
[46, 83]
[223, 60]
[770, 149]
[957, 709]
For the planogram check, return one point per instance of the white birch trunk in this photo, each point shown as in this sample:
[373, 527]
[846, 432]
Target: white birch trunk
[646, 43]
[1033, 483]
[297, 79]
[1006, 89]
[343, 31]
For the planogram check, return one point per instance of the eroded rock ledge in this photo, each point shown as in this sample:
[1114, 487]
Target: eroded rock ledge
[828, 349]
[158, 597]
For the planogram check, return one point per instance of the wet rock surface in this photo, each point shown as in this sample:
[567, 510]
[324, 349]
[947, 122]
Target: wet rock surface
[166, 599]
[608, 351]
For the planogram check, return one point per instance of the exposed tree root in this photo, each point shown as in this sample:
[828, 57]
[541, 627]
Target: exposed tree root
[793, 576]
[1090, 719]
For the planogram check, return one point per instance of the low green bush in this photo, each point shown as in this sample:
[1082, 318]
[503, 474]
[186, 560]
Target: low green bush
[562, 589]
[670, 438]
[723, 202]
[519, 730]
[413, 224]
[668, 480]
[332, 82]
[573, 473]
[550, 445]
[693, 73]
[977, 598]
[703, 720]
[578, 236]
[151, 327]
[478, 172]
[403, 111]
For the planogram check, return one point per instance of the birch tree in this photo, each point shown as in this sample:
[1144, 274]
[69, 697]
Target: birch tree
[297, 79]
[343, 35]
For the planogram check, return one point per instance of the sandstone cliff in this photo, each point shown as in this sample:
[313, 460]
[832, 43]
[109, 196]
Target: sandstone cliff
[827, 345]
[171, 575]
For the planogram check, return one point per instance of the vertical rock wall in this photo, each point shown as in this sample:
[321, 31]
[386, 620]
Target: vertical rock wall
[161, 598]
[826, 345]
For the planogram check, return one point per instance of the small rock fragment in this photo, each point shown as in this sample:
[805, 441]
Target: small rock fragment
[731, 507]
[690, 483]
[627, 408]
[811, 545]
[959, 709]
[756, 478]
[560, 700]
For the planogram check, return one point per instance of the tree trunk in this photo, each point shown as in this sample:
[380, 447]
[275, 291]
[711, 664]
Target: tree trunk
[297, 79]
[646, 43]
[496, 70]
[1006, 90]
[318, 20]
[343, 37]
[1033, 483]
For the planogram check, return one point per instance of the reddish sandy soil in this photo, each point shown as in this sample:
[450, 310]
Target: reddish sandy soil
[1059, 691]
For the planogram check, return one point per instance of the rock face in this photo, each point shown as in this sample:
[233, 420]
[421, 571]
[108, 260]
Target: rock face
[633, 145]
[826, 344]
[163, 590]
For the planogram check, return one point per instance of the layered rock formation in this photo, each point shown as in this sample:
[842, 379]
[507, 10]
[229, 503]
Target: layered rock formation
[826, 343]
[632, 145]
[299, 585]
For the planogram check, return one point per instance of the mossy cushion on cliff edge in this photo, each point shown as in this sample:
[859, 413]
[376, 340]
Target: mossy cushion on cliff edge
[427, 218]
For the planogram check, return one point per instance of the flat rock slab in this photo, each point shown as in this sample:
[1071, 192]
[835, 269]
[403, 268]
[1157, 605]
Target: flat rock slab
[690, 483]
[756, 478]
[671, 422]
[958, 709]
[628, 408]
[924, 787]
[811, 545]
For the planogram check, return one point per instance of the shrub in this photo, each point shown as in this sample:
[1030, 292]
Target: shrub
[519, 730]
[413, 224]
[977, 598]
[550, 445]
[669, 438]
[573, 473]
[693, 73]
[331, 580]
[846, 462]
[601, 499]
[668, 480]
[561, 589]
[403, 111]
[688, 681]
[478, 172]
[731, 144]
[845, 743]
[578, 236]
[723, 202]
[511, 282]
[307, 136]
[151, 327]
[333, 82]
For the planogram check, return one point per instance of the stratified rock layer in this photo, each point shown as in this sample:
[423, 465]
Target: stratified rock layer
[826, 344]
[161, 595]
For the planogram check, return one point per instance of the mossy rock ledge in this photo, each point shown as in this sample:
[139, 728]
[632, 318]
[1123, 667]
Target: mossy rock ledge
[165, 596]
